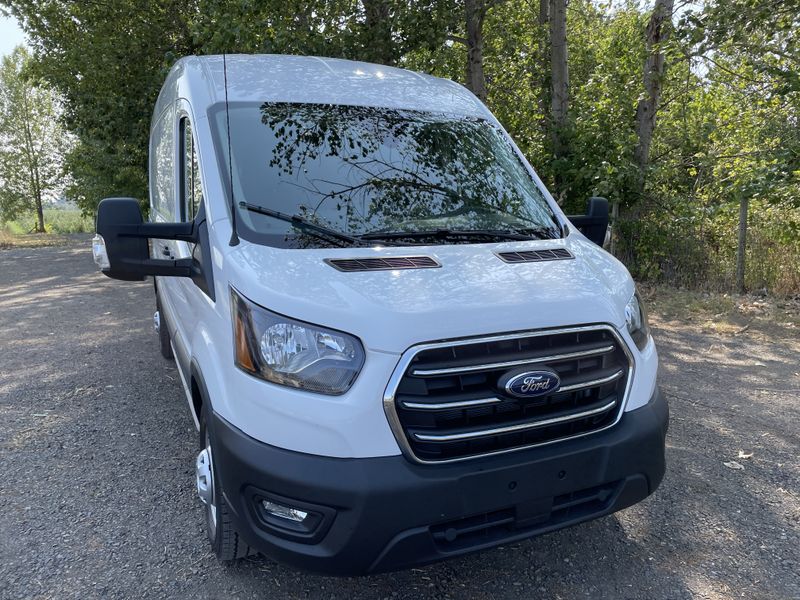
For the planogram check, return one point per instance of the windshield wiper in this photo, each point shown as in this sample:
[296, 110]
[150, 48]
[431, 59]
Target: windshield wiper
[299, 222]
[529, 234]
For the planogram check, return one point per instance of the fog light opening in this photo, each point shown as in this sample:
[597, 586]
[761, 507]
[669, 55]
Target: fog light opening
[292, 519]
[284, 512]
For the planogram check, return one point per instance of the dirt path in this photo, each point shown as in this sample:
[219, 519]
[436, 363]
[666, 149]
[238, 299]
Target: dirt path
[97, 448]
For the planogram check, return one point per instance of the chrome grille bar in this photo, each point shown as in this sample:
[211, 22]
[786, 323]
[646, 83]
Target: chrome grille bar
[470, 435]
[449, 405]
[512, 363]
[582, 385]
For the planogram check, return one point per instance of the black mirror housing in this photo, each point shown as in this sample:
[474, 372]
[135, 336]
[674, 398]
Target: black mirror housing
[125, 234]
[123, 252]
[594, 223]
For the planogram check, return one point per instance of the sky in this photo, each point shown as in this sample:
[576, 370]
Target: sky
[10, 35]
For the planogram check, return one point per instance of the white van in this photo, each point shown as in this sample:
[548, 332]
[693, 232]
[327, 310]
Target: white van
[395, 346]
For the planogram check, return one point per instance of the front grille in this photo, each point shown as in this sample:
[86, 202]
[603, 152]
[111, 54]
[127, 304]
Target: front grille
[447, 401]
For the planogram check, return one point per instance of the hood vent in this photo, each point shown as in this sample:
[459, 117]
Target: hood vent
[535, 255]
[390, 263]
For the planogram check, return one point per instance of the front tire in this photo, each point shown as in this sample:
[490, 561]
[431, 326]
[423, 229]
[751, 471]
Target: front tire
[225, 541]
[164, 345]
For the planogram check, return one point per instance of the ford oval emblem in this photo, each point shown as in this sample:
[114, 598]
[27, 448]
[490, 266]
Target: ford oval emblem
[531, 384]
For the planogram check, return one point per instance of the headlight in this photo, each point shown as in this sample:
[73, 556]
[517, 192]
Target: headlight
[636, 321]
[293, 353]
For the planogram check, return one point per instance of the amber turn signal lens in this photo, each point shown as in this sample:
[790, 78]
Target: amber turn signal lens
[242, 351]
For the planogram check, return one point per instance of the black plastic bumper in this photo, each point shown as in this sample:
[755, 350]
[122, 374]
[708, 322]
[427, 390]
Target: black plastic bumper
[381, 514]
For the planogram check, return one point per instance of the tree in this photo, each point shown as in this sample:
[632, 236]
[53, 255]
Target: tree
[559, 76]
[750, 49]
[658, 30]
[763, 30]
[32, 141]
[475, 13]
[107, 61]
[378, 29]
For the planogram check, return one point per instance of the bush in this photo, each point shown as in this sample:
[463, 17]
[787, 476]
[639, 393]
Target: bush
[698, 249]
[56, 220]
[67, 221]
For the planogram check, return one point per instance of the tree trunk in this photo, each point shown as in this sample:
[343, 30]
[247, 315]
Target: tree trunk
[39, 213]
[544, 12]
[744, 202]
[379, 44]
[37, 195]
[658, 30]
[559, 75]
[33, 166]
[475, 12]
[542, 76]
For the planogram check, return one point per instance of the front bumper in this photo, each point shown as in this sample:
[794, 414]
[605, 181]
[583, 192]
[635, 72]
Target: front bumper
[382, 514]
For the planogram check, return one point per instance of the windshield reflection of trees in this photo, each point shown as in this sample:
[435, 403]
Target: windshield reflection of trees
[364, 169]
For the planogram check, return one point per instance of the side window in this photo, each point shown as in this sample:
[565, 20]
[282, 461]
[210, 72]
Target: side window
[191, 189]
[162, 173]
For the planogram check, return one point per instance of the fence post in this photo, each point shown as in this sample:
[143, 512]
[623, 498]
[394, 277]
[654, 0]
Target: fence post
[612, 247]
[744, 202]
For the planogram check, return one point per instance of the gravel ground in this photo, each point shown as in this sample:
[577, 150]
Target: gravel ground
[97, 450]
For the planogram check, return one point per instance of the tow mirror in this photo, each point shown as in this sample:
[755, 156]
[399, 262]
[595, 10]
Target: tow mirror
[594, 224]
[121, 249]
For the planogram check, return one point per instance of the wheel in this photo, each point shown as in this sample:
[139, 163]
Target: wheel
[225, 541]
[163, 332]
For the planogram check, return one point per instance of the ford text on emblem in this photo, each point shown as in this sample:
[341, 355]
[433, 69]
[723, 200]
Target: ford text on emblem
[532, 384]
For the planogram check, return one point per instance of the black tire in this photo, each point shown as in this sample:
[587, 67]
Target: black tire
[163, 334]
[226, 543]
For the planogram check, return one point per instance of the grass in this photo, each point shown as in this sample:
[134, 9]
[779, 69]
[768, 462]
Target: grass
[58, 224]
[33, 240]
[721, 313]
[56, 220]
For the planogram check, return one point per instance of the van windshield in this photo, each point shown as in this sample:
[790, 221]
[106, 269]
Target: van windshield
[367, 171]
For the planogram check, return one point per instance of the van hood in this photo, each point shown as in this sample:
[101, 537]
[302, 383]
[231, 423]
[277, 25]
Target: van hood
[473, 293]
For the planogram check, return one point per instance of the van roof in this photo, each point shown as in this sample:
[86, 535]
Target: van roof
[311, 79]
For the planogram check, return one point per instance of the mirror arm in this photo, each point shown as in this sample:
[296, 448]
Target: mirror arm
[181, 232]
[182, 267]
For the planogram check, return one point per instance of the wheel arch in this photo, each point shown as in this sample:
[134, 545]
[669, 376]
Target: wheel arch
[199, 390]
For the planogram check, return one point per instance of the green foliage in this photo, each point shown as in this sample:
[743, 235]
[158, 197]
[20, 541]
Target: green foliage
[57, 220]
[697, 248]
[382, 31]
[108, 60]
[763, 31]
[729, 130]
[607, 53]
[32, 140]
[727, 125]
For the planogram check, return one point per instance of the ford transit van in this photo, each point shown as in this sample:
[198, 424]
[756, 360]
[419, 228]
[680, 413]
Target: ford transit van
[394, 345]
